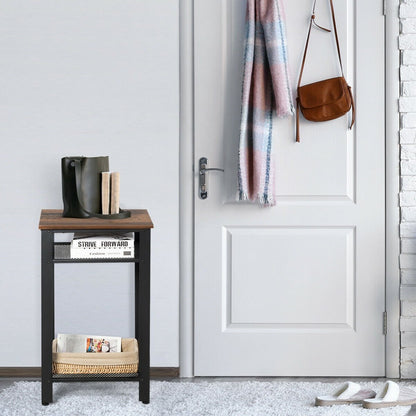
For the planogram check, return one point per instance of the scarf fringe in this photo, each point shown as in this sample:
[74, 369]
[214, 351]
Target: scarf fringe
[261, 199]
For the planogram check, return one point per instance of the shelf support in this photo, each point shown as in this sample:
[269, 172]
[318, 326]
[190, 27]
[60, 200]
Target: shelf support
[48, 314]
[142, 311]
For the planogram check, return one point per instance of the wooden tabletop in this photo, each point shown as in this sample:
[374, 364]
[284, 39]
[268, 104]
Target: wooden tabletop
[52, 219]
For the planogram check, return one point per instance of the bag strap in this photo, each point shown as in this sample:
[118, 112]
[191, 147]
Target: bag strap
[78, 173]
[312, 22]
[340, 63]
[353, 108]
[297, 120]
[336, 35]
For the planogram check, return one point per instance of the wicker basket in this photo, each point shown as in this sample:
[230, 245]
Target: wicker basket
[123, 362]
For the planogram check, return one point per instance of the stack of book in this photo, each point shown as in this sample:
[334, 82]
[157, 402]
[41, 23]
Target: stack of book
[84, 246]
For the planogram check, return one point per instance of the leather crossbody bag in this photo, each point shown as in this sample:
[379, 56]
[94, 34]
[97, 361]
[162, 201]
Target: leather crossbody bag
[81, 187]
[327, 99]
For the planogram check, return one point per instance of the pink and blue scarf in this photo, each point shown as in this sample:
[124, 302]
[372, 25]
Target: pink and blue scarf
[266, 86]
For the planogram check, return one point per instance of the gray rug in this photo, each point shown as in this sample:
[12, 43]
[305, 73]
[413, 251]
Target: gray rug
[219, 398]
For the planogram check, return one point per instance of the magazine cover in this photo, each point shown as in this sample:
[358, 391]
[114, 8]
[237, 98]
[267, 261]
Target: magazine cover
[106, 246]
[88, 343]
[98, 345]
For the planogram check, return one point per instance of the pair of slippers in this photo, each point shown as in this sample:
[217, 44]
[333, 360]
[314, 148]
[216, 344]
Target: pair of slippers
[391, 395]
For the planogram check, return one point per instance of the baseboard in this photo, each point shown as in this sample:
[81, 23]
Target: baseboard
[158, 372]
[34, 372]
[24, 372]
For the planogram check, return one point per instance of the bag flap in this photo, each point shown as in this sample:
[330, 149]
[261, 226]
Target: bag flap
[321, 93]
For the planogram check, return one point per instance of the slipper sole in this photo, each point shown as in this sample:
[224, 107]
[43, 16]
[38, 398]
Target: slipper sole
[369, 405]
[357, 398]
[319, 402]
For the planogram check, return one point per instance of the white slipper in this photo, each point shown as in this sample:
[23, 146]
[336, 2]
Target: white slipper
[391, 395]
[349, 393]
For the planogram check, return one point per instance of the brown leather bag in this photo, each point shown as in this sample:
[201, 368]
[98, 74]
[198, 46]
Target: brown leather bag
[328, 99]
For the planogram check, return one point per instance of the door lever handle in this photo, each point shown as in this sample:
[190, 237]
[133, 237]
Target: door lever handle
[205, 169]
[203, 188]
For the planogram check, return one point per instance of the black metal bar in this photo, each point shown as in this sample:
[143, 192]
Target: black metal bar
[48, 314]
[112, 260]
[142, 306]
[136, 291]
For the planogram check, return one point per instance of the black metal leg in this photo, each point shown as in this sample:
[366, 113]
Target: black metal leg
[142, 312]
[48, 324]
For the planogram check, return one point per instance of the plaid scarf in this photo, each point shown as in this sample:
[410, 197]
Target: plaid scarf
[266, 86]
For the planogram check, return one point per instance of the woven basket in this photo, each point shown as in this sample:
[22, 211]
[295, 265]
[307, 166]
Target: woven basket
[123, 362]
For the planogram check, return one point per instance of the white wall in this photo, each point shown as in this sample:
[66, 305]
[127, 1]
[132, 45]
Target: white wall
[96, 77]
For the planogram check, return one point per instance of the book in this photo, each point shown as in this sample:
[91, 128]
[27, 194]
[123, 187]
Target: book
[88, 343]
[115, 193]
[105, 193]
[102, 246]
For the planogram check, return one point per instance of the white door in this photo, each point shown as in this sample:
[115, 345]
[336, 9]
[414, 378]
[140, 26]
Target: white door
[296, 289]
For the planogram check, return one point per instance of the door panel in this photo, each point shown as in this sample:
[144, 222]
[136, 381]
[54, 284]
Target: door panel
[287, 290]
[327, 254]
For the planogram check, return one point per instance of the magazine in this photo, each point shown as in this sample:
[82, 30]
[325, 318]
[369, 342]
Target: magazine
[107, 246]
[87, 343]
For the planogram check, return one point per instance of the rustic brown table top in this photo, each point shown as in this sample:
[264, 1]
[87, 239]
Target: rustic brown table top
[52, 219]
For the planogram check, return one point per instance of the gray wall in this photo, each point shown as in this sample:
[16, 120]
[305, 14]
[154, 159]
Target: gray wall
[96, 77]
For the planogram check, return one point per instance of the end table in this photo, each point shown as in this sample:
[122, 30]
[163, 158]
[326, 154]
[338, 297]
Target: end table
[140, 223]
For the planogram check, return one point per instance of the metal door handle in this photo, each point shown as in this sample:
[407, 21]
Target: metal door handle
[205, 169]
[203, 189]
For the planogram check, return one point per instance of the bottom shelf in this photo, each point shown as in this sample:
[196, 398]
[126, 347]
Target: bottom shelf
[86, 366]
